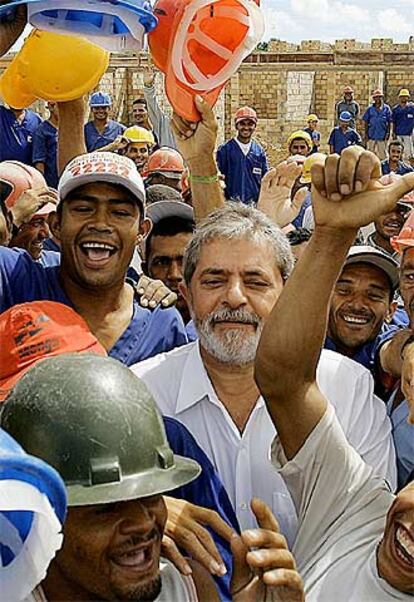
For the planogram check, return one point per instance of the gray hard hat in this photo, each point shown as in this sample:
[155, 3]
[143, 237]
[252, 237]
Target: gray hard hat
[94, 421]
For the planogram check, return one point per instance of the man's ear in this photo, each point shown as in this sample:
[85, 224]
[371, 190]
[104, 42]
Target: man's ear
[182, 287]
[391, 311]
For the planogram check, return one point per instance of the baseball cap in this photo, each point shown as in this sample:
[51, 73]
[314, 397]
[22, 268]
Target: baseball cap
[375, 257]
[102, 167]
[165, 209]
[345, 116]
[30, 332]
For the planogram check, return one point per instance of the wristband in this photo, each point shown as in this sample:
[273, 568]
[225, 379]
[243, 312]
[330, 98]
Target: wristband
[405, 344]
[204, 179]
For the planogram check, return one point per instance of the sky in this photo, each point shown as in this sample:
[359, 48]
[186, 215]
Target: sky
[328, 20]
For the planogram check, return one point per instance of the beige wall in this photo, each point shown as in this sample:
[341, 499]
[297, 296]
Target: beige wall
[283, 85]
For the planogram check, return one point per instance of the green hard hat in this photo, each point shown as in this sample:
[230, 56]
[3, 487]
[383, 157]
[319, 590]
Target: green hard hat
[94, 421]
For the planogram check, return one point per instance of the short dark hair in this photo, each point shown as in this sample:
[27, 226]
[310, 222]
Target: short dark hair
[170, 226]
[298, 236]
[140, 101]
[161, 192]
[396, 143]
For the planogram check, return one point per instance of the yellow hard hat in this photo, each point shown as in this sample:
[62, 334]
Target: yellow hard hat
[138, 134]
[307, 166]
[60, 67]
[302, 135]
[13, 88]
[312, 117]
[404, 92]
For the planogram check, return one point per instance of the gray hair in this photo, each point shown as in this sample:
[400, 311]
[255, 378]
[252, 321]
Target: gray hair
[236, 221]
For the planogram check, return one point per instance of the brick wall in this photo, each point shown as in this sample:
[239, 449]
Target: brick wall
[283, 84]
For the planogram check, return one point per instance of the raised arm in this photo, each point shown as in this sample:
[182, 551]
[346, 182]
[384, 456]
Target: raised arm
[196, 142]
[346, 195]
[71, 142]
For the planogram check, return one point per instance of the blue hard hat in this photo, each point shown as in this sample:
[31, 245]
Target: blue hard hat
[100, 99]
[114, 24]
[345, 116]
[23, 558]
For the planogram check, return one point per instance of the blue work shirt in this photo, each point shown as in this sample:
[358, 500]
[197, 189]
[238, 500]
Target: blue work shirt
[50, 245]
[298, 221]
[95, 140]
[367, 354]
[340, 139]
[403, 434]
[402, 168]
[16, 137]
[378, 121]
[242, 173]
[148, 333]
[45, 140]
[207, 491]
[316, 139]
[403, 119]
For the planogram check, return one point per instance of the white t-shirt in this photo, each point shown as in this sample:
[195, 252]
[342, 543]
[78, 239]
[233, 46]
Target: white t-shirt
[342, 509]
[175, 587]
[183, 390]
[245, 147]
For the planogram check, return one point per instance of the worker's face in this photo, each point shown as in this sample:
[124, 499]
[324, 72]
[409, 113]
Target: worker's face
[299, 147]
[139, 114]
[348, 96]
[395, 153]
[165, 262]
[31, 236]
[138, 152]
[395, 558]
[360, 304]
[378, 101]
[100, 113]
[232, 292]
[390, 224]
[99, 229]
[313, 124]
[404, 100]
[112, 551]
[245, 129]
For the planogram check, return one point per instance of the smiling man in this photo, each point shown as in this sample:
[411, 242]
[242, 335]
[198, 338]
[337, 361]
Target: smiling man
[101, 130]
[234, 270]
[362, 306]
[242, 160]
[389, 225]
[101, 220]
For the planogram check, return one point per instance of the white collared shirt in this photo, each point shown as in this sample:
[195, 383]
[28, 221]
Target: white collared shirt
[183, 390]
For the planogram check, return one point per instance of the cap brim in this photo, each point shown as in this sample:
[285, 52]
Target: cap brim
[174, 175]
[388, 265]
[80, 180]
[153, 482]
[46, 209]
[165, 209]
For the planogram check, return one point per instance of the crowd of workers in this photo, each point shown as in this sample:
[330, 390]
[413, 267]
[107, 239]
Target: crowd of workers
[216, 355]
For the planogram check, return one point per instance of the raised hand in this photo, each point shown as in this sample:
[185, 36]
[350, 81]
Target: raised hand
[149, 76]
[346, 192]
[30, 202]
[196, 140]
[275, 193]
[264, 569]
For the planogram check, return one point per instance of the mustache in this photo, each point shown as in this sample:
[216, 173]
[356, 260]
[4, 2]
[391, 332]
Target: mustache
[234, 315]
[135, 540]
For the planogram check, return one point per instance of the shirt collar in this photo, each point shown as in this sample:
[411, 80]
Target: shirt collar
[195, 383]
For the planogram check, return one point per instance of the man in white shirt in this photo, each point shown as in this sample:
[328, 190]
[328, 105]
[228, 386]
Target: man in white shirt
[234, 269]
[342, 549]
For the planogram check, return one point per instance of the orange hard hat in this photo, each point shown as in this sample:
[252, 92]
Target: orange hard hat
[165, 160]
[405, 238]
[245, 113]
[199, 44]
[19, 177]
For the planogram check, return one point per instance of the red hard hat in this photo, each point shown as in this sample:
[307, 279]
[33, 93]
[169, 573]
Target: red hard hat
[19, 177]
[245, 113]
[165, 160]
[405, 238]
